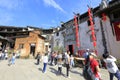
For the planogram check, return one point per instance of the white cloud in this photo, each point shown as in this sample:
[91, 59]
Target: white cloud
[11, 4]
[53, 4]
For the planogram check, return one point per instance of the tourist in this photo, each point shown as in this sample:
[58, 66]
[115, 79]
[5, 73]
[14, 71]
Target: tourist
[71, 61]
[45, 61]
[13, 58]
[38, 58]
[85, 55]
[91, 70]
[111, 66]
[95, 66]
[59, 66]
[67, 62]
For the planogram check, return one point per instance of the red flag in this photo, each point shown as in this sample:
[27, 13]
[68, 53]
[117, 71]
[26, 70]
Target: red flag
[117, 30]
[92, 27]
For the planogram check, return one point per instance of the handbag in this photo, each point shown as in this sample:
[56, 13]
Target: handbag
[88, 73]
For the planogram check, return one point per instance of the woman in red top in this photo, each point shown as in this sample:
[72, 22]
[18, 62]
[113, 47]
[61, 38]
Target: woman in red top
[94, 65]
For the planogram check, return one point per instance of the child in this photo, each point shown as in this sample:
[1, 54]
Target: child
[59, 65]
[13, 58]
[71, 61]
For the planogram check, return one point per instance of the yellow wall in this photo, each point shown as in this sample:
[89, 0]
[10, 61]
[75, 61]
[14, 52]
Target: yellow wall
[32, 38]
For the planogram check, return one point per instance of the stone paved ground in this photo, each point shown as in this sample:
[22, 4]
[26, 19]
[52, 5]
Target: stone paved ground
[27, 70]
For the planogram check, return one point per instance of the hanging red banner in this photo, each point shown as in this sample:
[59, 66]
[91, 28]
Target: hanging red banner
[92, 27]
[76, 31]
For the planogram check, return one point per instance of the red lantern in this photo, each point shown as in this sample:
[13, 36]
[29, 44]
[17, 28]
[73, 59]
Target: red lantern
[94, 43]
[91, 22]
[93, 32]
[92, 28]
[89, 11]
[93, 38]
[90, 18]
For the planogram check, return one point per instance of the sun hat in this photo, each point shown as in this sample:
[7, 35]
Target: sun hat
[93, 54]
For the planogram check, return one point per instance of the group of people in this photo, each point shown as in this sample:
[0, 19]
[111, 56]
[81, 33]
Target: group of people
[92, 63]
[57, 58]
[3, 55]
[10, 57]
[91, 70]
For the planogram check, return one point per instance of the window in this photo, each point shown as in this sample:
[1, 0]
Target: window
[21, 46]
[57, 34]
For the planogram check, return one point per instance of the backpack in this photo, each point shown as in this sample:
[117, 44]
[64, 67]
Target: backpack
[87, 72]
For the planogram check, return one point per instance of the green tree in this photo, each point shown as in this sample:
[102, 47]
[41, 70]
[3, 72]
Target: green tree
[57, 48]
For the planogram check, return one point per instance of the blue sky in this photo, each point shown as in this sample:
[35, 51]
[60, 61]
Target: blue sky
[41, 13]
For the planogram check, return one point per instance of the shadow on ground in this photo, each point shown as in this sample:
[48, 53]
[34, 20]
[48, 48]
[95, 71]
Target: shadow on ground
[40, 69]
[76, 72]
[56, 72]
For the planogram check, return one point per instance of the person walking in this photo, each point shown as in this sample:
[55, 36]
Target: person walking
[13, 58]
[38, 58]
[85, 55]
[91, 68]
[71, 61]
[94, 65]
[45, 61]
[10, 59]
[111, 66]
[55, 58]
[52, 57]
[59, 66]
[67, 62]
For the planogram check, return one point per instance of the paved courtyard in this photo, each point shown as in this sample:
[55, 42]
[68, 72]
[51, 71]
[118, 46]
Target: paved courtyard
[25, 69]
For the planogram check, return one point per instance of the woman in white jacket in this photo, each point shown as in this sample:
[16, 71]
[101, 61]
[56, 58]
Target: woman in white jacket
[111, 66]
